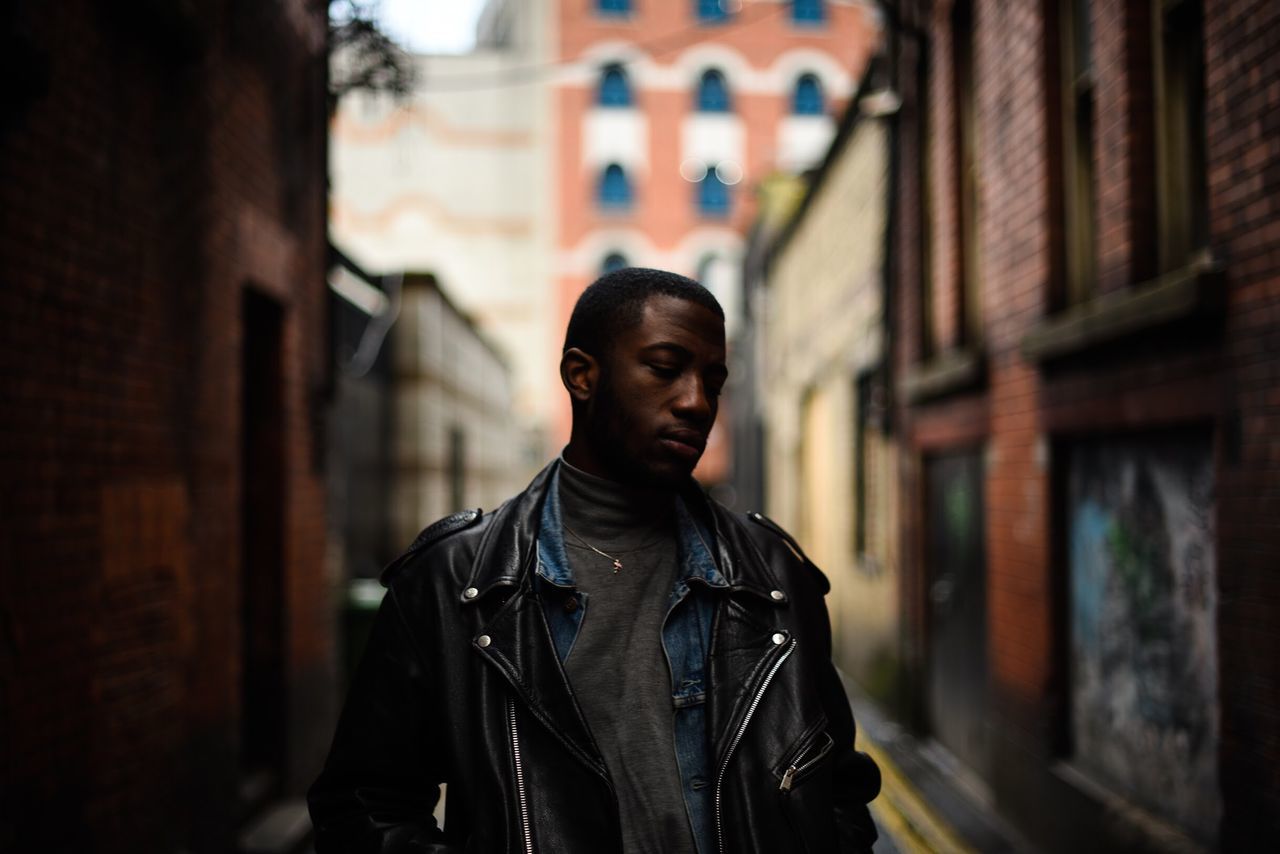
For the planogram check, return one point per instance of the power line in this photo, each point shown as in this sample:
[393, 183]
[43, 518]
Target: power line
[523, 76]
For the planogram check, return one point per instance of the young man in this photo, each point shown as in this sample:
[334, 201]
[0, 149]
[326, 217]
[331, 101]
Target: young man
[610, 661]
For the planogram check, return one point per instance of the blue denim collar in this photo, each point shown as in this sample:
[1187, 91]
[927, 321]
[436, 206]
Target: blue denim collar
[693, 543]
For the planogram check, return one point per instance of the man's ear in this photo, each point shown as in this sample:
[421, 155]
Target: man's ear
[580, 373]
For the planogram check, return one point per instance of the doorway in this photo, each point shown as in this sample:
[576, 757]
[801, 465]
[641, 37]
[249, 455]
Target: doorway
[955, 563]
[262, 505]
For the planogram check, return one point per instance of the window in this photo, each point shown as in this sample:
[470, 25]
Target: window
[1077, 136]
[964, 141]
[712, 11]
[1181, 200]
[713, 92]
[614, 261]
[615, 90]
[808, 11]
[807, 99]
[615, 190]
[613, 7]
[713, 194]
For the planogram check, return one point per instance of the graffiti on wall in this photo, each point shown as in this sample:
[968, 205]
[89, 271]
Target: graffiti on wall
[1143, 623]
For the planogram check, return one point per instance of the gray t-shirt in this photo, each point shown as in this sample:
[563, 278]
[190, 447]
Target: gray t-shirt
[617, 667]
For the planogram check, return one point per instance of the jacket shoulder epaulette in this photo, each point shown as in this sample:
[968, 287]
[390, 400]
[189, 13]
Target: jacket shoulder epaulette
[790, 542]
[429, 536]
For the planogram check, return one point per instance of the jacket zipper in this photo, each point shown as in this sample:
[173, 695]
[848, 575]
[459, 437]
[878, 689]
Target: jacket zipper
[737, 737]
[525, 831]
[798, 769]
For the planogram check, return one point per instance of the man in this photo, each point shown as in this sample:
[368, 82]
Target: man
[610, 661]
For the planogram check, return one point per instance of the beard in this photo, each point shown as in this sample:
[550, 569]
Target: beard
[616, 444]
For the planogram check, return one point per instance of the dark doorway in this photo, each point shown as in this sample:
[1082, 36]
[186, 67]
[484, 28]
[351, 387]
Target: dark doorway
[956, 566]
[262, 676]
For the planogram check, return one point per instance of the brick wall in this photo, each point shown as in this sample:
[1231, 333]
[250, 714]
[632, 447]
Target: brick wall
[1216, 369]
[157, 164]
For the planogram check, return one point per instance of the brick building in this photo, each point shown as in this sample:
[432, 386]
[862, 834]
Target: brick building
[165, 650]
[668, 115]
[1087, 349]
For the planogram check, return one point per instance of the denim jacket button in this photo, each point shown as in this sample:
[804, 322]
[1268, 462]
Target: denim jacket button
[571, 604]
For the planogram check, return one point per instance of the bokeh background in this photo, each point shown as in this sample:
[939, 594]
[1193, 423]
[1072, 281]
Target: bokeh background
[284, 281]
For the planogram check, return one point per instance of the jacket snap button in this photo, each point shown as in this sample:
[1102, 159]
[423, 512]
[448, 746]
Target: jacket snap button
[777, 595]
[777, 638]
[470, 593]
[484, 641]
[571, 604]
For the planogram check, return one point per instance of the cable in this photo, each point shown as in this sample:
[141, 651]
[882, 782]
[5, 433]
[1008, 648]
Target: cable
[523, 76]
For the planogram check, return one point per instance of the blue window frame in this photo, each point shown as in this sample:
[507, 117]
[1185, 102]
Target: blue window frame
[613, 7]
[713, 92]
[614, 261]
[807, 98]
[808, 11]
[713, 195]
[614, 192]
[615, 89]
[712, 11]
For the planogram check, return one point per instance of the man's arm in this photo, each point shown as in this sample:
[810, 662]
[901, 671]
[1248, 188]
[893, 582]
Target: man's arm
[380, 782]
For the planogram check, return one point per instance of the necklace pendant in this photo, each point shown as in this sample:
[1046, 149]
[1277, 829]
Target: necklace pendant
[617, 565]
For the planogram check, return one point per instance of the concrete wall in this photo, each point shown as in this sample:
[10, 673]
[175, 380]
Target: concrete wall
[822, 331]
[450, 391]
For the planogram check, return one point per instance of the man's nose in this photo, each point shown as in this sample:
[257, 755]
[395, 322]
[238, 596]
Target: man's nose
[694, 402]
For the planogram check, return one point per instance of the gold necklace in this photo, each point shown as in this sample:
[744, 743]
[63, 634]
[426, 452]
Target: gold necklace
[617, 563]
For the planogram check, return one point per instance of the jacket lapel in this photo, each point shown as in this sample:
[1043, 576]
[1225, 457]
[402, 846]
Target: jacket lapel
[745, 639]
[516, 640]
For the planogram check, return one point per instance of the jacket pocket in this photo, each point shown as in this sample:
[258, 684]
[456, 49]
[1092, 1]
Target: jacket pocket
[805, 791]
[805, 760]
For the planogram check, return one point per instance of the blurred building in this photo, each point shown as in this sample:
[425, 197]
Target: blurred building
[456, 180]
[668, 115]
[831, 462]
[454, 444]
[420, 425]
[166, 657]
[1086, 317]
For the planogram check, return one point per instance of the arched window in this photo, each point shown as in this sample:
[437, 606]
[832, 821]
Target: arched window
[808, 11]
[614, 261]
[615, 90]
[713, 92]
[614, 7]
[713, 194]
[615, 190]
[807, 99]
[712, 11]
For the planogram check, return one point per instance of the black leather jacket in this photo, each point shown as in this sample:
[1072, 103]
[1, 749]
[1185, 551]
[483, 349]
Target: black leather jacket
[460, 683]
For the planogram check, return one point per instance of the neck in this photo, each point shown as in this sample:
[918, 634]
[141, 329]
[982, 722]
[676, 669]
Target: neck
[600, 509]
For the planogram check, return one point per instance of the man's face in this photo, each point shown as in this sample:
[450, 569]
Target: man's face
[658, 393]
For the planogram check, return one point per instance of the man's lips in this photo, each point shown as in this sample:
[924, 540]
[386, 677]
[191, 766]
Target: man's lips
[690, 443]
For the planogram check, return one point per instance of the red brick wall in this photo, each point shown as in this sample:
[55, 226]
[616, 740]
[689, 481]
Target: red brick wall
[172, 159]
[1221, 372]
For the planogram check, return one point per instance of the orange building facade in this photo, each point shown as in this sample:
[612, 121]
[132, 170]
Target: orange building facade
[669, 114]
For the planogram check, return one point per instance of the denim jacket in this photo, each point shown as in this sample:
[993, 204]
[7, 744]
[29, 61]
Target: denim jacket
[686, 636]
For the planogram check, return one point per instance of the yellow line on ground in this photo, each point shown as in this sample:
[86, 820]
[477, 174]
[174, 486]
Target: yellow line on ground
[906, 815]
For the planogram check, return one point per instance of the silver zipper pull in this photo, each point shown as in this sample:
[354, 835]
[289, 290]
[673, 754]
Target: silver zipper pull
[787, 777]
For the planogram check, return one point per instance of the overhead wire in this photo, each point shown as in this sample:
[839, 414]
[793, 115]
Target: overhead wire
[529, 74]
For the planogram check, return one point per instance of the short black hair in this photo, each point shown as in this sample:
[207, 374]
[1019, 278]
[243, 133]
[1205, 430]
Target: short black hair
[614, 302]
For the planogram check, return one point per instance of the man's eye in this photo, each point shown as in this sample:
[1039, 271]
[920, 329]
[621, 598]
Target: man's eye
[666, 371]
